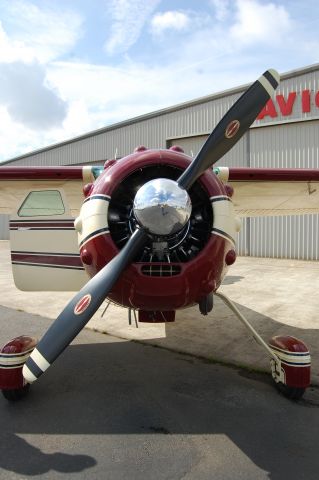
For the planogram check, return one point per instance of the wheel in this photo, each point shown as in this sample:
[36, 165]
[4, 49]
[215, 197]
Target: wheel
[16, 394]
[206, 304]
[293, 393]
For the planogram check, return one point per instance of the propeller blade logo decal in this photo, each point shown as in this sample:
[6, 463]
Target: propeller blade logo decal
[82, 304]
[232, 129]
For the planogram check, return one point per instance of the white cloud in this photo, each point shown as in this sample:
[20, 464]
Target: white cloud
[41, 34]
[27, 99]
[30, 37]
[171, 20]
[222, 8]
[110, 93]
[14, 137]
[129, 18]
[260, 22]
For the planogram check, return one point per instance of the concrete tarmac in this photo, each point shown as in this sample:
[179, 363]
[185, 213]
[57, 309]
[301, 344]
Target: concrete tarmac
[111, 409]
[279, 297]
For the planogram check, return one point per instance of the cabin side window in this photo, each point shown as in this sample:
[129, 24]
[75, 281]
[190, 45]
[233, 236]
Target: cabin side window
[43, 203]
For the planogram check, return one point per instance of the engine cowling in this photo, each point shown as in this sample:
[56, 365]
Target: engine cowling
[173, 270]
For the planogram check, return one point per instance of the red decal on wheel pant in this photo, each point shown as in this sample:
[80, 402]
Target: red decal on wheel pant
[82, 304]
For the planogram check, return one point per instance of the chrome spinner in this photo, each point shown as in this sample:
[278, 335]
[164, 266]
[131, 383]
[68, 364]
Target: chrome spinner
[162, 206]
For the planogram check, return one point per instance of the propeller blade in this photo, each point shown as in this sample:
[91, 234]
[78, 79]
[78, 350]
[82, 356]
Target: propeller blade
[231, 127]
[80, 309]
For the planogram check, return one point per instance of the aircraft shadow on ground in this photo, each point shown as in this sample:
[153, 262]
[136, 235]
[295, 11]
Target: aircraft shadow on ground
[32, 461]
[224, 338]
[131, 388]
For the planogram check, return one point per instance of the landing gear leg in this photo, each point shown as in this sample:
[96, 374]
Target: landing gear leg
[289, 357]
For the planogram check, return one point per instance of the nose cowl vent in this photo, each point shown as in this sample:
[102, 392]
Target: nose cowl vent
[161, 270]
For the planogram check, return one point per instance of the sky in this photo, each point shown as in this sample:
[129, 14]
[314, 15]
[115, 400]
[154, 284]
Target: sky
[69, 67]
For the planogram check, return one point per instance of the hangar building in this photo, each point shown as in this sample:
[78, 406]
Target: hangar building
[285, 135]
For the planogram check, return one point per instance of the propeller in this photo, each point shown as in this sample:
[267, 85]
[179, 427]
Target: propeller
[80, 309]
[86, 302]
[231, 127]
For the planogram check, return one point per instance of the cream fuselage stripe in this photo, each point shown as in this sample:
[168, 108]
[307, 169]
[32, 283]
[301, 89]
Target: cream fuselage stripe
[93, 219]
[224, 224]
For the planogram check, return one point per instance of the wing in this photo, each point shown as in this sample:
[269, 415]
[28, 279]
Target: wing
[268, 192]
[17, 182]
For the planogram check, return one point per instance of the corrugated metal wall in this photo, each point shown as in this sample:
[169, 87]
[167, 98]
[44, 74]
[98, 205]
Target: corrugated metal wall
[4, 227]
[269, 143]
[293, 145]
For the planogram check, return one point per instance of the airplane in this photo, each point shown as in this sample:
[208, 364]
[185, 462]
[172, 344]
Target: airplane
[153, 232]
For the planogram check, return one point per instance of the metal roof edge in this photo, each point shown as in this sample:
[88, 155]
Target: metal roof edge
[156, 113]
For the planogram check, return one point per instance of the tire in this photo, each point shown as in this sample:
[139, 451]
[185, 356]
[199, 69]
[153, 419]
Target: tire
[293, 393]
[16, 394]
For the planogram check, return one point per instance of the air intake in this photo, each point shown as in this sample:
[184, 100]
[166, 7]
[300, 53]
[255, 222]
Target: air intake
[161, 270]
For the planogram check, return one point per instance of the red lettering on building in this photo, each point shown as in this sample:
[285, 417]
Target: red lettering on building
[305, 101]
[286, 106]
[269, 110]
